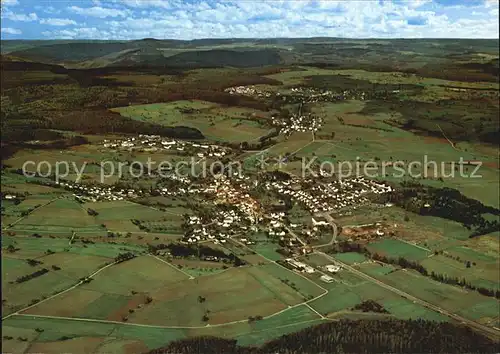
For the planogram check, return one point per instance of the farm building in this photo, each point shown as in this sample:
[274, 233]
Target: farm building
[326, 278]
[332, 268]
[300, 266]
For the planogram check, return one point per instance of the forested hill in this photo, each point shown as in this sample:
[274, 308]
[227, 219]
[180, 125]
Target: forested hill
[346, 336]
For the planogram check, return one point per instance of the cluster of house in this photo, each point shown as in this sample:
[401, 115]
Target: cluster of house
[238, 196]
[298, 123]
[95, 193]
[199, 231]
[225, 224]
[153, 143]
[315, 203]
[347, 192]
[276, 226]
[317, 198]
[247, 91]
[310, 94]
[225, 191]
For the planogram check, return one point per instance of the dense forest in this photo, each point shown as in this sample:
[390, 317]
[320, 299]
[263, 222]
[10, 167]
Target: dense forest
[346, 336]
[447, 203]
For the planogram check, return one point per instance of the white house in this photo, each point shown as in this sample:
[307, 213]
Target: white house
[332, 268]
[319, 220]
[326, 278]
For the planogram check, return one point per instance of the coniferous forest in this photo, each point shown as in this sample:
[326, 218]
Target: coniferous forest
[348, 336]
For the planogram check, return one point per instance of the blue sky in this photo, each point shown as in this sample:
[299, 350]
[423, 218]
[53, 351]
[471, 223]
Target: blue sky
[177, 19]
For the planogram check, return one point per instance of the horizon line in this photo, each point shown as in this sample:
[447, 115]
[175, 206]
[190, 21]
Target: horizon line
[248, 38]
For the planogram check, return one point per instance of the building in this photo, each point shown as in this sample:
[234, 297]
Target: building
[326, 278]
[332, 268]
[300, 266]
[319, 221]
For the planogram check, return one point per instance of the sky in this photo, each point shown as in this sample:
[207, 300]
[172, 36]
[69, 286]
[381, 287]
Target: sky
[189, 19]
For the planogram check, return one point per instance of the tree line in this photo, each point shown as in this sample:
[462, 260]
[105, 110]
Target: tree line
[345, 246]
[33, 275]
[199, 251]
[349, 336]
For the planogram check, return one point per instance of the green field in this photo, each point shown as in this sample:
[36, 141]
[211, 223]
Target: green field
[481, 275]
[46, 218]
[116, 336]
[449, 297]
[307, 288]
[393, 248]
[149, 274]
[74, 262]
[265, 247]
[215, 122]
[289, 321]
[379, 101]
[343, 297]
[55, 329]
[111, 291]
[175, 298]
[350, 257]
[376, 269]
[117, 216]
[233, 295]
[406, 309]
[30, 247]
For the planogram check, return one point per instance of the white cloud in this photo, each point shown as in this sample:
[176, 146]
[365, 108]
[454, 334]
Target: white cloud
[51, 10]
[9, 30]
[148, 3]
[97, 11]
[57, 21]
[10, 2]
[417, 3]
[132, 19]
[19, 17]
[83, 32]
[491, 3]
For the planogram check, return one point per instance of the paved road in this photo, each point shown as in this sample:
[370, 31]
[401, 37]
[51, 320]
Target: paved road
[479, 327]
[291, 232]
[334, 230]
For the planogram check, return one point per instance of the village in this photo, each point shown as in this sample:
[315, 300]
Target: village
[330, 196]
[297, 123]
[231, 206]
[306, 94]
[233, 200]
[156, 143]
